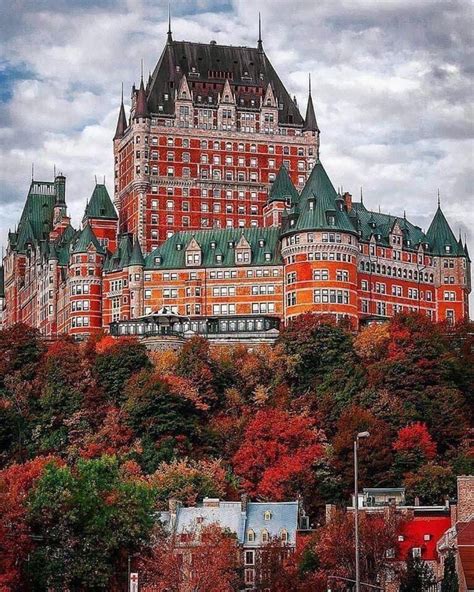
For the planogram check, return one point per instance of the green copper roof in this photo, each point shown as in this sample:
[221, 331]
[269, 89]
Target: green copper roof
[84, 239]
[121, 256]
[37, 216]
[100, 205]
[317, 208]
[264, 245]
[441, 238]
[282, 188]
[384, 223]
[137, 256]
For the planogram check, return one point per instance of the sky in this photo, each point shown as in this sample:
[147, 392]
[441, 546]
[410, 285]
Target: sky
[392, 84]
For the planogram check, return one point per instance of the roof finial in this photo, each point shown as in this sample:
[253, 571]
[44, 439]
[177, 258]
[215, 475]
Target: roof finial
[95, 177]
[54, 171]
[141, 69]
[260, 43]
[104, 179]
[122, 94]
[439, 200]
[379, 208]
[170, 37]
[32, 171]
[361, 196]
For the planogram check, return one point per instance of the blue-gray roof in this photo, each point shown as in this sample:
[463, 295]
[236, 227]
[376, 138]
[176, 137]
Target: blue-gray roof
[284, 516]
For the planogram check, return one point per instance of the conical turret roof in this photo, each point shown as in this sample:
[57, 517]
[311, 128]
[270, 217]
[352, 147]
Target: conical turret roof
[121, 123]
[441, 238]
[100, 205]
[136, 257]
[141, 108]
[282, 188]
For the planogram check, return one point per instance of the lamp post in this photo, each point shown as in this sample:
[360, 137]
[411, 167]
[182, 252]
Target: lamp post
[356, 508]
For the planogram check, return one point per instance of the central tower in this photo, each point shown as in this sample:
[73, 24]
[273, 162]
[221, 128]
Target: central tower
[205, 139]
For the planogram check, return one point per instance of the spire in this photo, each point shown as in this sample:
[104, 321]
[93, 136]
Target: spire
[260, 43]
[141, 108]
[136, 257]
[121, 122]
[310, 123]
[440, 236]
[361, 196]
[170, 36]
[439, 201]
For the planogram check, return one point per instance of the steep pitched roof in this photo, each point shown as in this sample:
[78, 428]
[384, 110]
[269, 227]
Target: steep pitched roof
[121, 256]
[84, 239]
[121, 123]
[440, 236]
[136, 257]
[384, 223]
[100, 205]
[218, 241]
[141, 108]
[36, 220]
[282, 188]
[245, 67]
[317, 205]
[310, 122]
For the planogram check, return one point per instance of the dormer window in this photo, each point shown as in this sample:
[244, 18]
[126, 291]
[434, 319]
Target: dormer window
[261, 242]
[157, 260]
[213, 245]
[250, 536]
[448, 248]
[284, 536]
[267, 515]
[331, 220]
[265, 537]
[179, 246]
[231, 244]
[219, 258]
[268, 256]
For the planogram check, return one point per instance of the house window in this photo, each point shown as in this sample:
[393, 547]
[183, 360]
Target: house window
[284, 536]
[265, 536]
[249, 558]
[267, 515]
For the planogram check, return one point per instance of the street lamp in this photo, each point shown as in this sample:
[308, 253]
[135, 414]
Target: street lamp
[359, 436]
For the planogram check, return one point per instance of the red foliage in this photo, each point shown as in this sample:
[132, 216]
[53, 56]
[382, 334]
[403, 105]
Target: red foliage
[415, 437]
[16, 482]
[175, 566]
[277, 452]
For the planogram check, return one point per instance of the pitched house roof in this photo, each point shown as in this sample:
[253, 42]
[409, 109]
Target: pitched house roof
[441, 236]
[264, 244]
[207, 66]
[282, 188]
[84, 239]
[100, 205]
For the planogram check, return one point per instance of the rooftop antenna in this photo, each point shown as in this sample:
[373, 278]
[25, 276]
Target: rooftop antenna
[309, 83]
[141, 69]
[259, 43]
[379, 208]
[95, 177]
[104, 179]
[54, 171]
[170, 36]
[361, 196]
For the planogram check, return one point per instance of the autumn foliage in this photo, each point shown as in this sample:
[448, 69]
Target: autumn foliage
[108, 421]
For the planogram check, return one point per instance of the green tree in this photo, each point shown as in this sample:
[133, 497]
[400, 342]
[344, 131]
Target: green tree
[117, 364]
[450, 581]
[418, 577]
[431, 483]
[86, 519]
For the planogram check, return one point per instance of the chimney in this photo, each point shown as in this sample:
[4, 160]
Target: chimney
[244, 500]
[347, 201]
[417, 501]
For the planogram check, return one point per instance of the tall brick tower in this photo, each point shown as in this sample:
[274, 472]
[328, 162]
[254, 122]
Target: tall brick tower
[206, 137]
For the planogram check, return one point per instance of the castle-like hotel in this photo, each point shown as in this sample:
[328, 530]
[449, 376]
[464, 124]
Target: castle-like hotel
[222, 213]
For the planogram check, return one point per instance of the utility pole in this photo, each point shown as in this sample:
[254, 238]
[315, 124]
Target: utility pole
[356, 508]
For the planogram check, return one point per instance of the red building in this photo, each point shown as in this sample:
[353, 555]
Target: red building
[223, 211]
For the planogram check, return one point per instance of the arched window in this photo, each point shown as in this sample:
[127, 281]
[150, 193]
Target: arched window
[284, 536]
[265, 536]
[267, 515]
[250, 536]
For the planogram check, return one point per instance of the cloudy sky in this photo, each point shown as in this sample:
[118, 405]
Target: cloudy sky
[392, 83]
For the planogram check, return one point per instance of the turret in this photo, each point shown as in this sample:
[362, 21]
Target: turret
[121, 122]
[283, 195]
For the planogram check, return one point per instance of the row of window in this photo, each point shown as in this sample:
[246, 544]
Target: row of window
[215, 145]
[215, 193]
[80, 322]
[325, 296]
[410, 274]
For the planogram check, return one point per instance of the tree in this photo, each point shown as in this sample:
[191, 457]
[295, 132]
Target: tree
[189, 481]
[374, 453]
[275, 568]
[431, 483]
[161, 418]
[86, 519]
[414, 447]
[418, 577]
[277, 453]
[333, 545]
[204, 560]
[16, 482]
[194, 362]
[117, 363]
[372, 341]
[450, 582]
